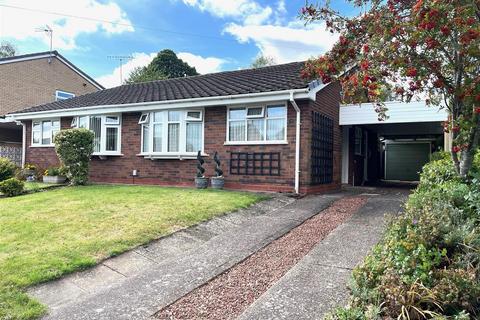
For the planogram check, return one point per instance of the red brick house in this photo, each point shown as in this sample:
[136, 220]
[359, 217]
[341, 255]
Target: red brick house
[272, 130]
[34, 79]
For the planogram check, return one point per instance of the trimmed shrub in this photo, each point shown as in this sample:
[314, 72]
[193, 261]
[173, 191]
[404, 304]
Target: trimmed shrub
[74, 148]
[12, 187]
[7, 169]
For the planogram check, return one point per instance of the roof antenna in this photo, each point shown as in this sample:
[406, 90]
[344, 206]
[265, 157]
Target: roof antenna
[120, 59]
[49, 32]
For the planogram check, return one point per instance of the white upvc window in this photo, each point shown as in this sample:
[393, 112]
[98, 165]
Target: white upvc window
[63, 95]
[43, 132]
[106, 130]
[172, 132]
[257, 124]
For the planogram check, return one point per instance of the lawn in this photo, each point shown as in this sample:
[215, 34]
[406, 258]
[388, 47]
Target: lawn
[48, 234]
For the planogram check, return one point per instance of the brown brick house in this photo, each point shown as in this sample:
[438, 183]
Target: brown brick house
[272, 130]
[34, 79]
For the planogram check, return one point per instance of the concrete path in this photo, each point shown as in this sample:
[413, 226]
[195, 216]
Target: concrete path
[138, 283]
[318, 282]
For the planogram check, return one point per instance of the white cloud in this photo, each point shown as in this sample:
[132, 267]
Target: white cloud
[292, 42]
[140, 59]
[246, 10]
[21, 24]
[113, 79]
[203, 65]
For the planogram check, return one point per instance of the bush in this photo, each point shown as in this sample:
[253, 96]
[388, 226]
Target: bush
[427, 264]
[7, 169]
[74, 147]
[55, 171]
[12, 187]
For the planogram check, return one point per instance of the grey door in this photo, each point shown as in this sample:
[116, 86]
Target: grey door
[404, 161]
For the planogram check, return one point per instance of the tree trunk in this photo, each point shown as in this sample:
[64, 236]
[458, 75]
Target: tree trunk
[466, 162]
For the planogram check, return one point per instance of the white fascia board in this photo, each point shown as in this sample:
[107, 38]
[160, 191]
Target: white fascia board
[48, 55]
[398, 112]
[261, 97]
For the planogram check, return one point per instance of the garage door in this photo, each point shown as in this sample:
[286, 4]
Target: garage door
[403, 161]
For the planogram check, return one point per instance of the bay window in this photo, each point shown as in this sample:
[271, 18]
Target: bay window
[106, 130]
[258, 124]
[172, 132]
[43, 132]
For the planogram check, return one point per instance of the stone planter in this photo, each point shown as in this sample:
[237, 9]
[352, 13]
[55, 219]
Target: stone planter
[218, 182]
[201, 183]
[54, 179]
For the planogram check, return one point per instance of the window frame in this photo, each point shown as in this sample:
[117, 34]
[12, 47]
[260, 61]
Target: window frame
[103, 127]
[57, 98]
[265, 119]
[41, 121]
[164, 153]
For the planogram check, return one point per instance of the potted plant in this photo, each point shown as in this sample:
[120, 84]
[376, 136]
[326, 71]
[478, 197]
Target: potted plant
[54, 175]
[29, 171]
[218, 181]
[200, 181]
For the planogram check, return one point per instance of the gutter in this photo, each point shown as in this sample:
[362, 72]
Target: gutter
[304, 93]
[297, 143]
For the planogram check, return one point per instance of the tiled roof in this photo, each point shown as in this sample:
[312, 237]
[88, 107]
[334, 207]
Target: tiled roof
[266, 79]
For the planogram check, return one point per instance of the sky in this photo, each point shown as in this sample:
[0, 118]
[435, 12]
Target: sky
[211, 35]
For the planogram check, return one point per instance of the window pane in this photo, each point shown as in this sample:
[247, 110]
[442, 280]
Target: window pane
[194, 136]
[36, 137]
[56, 124]
[146, 138]
[236, 131]
[157, 117]
[46, 132]
[173, 137]
[157, 137]
[237, 113]
[194, 115]
[276, 111]
[254, 111]
[112, 137]
[112, 120]
[174, 115]
[36, 131]
[82, 122]
[61, 95]
[96, 127]
[275, 129]
[255, 130]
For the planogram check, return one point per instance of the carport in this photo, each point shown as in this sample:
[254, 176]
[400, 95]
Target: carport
[392, 150]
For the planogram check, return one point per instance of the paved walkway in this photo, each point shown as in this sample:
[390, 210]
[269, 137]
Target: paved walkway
[318, 282]
[137, 284]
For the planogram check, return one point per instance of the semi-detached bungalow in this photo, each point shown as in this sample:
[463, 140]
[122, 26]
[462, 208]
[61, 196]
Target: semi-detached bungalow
[273, 130]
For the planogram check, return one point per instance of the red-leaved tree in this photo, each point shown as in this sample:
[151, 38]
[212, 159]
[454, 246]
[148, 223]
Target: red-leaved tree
[414, 49]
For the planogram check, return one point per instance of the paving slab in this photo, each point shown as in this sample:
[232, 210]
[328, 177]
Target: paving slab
[149, 278]
[319, 281]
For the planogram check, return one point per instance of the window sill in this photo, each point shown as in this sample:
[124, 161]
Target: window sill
[42, 146]
[154, 156]
[252, 143]
[101, 154]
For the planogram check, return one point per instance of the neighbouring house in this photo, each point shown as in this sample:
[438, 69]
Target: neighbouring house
[273, 131]
[34, 79]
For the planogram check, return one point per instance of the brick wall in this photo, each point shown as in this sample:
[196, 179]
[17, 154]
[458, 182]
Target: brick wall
[29, 83]
[182, 172]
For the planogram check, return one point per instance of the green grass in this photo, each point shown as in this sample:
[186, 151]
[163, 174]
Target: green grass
[37, 186]
[48, 234]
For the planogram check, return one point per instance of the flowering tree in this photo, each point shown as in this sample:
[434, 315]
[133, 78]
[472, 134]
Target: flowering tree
[411, 49]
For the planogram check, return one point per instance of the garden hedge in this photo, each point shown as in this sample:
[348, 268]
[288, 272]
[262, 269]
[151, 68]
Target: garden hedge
[427, 266]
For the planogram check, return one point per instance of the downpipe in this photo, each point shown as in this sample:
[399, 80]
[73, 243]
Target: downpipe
[297, 143]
